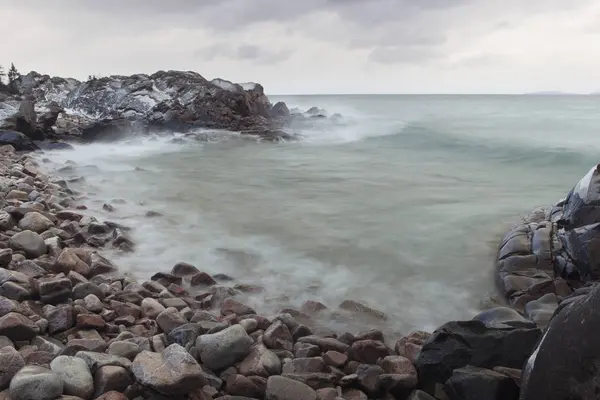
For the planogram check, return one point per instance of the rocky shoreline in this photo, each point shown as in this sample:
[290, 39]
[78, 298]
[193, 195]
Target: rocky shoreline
[72, 326]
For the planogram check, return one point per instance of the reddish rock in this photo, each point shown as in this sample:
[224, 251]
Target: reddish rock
[184, 269]
[112, 396]
[410, 346]
[232, 306]
[239, 385]
[368, 351]
[359, 308]
[90, 321]
[335, 359]
[202, 279]
[278, 337]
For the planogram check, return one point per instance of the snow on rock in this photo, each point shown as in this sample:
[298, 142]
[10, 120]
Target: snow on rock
[226, 85]
[249, 85]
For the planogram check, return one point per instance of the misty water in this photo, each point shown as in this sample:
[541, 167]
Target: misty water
[399, 205]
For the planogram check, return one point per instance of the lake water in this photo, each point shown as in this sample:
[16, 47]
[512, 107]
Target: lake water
[399, 204]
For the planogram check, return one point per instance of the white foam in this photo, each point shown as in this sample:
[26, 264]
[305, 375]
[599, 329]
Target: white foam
[248, 85]
[224, 84]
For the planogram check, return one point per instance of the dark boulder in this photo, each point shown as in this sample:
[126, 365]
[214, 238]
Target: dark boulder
[280, 109]
[458, 344]
[566, 363]
[17, 140]
[48, 119]
[472, 383]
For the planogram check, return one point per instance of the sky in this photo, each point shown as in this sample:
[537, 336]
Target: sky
[316, 46]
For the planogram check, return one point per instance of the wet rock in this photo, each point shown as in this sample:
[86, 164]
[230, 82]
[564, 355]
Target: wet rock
[278, 337]
[29, 242]
[368, 351]
[542, 310]
[223, 349]
[174, 302]
[10, 363]
[504, 316]
[172, 372]
[281, 388]
[17, 327]
[111, 378]
[472, 383]
[359, 308]
[14, 291]
[564, 364]
[35, 383]
[202, 279]
[75, 374]
[457, 344]
[92, 303]
[183, 269]
[48, 344]
[260, 362]
[35, 222]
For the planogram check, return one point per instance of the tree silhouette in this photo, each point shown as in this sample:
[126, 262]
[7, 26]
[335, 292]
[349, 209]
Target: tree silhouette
[2, 74]
[13, 74]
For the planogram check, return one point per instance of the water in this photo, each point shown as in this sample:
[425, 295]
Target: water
[399, 205]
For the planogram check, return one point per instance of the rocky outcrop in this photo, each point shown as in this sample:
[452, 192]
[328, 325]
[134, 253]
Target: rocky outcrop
[111, 107]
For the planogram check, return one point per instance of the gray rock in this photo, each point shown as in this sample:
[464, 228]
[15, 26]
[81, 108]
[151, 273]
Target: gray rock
[223, 349]
[59, 318]
[75, 374]
[304, 365]
[54, 290]
[325, 344]
[98, 360]
[172, 372]
[48, 344]
[81, 290]
[278, 337]
[151, 308]
[29, 242]
[281, 388]
[124, 349]
[6, 221]
[11, 362]
[93, 303]
[35, 222]
[111, 378]
[35, 383]
[170, 319]
[260, 362]
[14, 291]
[541, 310]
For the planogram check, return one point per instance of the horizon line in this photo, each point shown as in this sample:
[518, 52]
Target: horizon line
[542, 93]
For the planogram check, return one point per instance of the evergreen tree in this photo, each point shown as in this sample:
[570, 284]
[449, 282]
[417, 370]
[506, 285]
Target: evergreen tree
[13, 74]
[2, 74]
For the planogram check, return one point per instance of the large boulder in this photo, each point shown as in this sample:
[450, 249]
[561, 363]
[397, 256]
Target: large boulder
[566, 362]
[25, 121]
[35, 383]
[17, 140]
[223, 349]
[458, 344]
[172, 372]
[75, 374]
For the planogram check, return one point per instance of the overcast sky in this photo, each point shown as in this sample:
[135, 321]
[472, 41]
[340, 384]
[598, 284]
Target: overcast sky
[317, 46]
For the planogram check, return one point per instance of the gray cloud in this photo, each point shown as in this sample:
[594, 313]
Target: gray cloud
[243, 52]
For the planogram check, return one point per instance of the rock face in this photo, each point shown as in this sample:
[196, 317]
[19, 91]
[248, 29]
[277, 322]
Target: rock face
[552, 251]
[565, 363]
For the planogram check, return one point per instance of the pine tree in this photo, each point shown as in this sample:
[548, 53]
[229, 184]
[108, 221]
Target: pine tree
[2, 74]
[13, 74]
